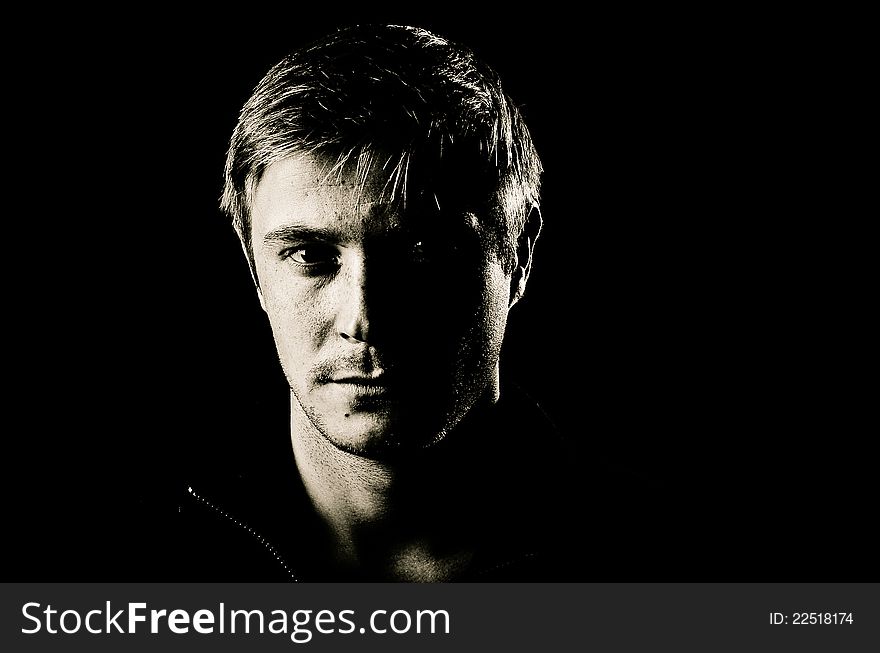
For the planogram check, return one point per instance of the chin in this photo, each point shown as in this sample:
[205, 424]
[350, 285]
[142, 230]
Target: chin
[379, 436]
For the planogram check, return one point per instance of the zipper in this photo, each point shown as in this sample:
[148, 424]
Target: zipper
[262, 540]
[281, 561]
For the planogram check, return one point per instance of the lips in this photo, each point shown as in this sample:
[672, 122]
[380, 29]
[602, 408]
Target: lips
[361, 385]
[375, 381]
[369, 376]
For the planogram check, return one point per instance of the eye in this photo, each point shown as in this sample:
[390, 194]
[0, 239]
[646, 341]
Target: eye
[310, 256]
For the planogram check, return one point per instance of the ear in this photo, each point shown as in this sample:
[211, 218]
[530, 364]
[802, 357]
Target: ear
[251, 267]
[525, 249]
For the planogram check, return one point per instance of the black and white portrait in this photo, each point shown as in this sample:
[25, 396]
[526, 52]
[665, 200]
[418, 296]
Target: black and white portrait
[417, 299]
[386, 194]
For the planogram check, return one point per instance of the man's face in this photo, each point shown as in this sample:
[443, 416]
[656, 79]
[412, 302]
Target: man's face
[388, 320]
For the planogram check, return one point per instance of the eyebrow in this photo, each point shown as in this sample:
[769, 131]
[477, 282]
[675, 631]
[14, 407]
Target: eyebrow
[295, 232]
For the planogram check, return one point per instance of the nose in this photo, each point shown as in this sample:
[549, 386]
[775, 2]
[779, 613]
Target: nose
[352, 318]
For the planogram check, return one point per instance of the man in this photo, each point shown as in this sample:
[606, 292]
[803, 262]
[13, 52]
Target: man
[386, 194]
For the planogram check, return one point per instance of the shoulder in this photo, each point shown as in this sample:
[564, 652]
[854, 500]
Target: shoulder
[586, 518]
[203, 536]
[218, 543]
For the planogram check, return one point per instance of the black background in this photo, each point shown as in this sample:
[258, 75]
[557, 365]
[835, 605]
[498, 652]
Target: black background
[683, 321]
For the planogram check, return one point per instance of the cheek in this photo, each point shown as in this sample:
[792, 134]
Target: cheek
[299, 321]
[490, 320]
[496, 290]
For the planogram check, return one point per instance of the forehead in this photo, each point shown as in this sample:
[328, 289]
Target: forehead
[308, 191]
[305, 190]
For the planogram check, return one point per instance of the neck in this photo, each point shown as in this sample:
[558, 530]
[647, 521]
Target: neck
[400, 519]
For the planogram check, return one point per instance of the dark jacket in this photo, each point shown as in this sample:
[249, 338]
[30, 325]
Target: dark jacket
[564, 519]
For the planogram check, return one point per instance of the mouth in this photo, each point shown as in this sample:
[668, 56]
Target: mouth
[363, 385]
[379, 381]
